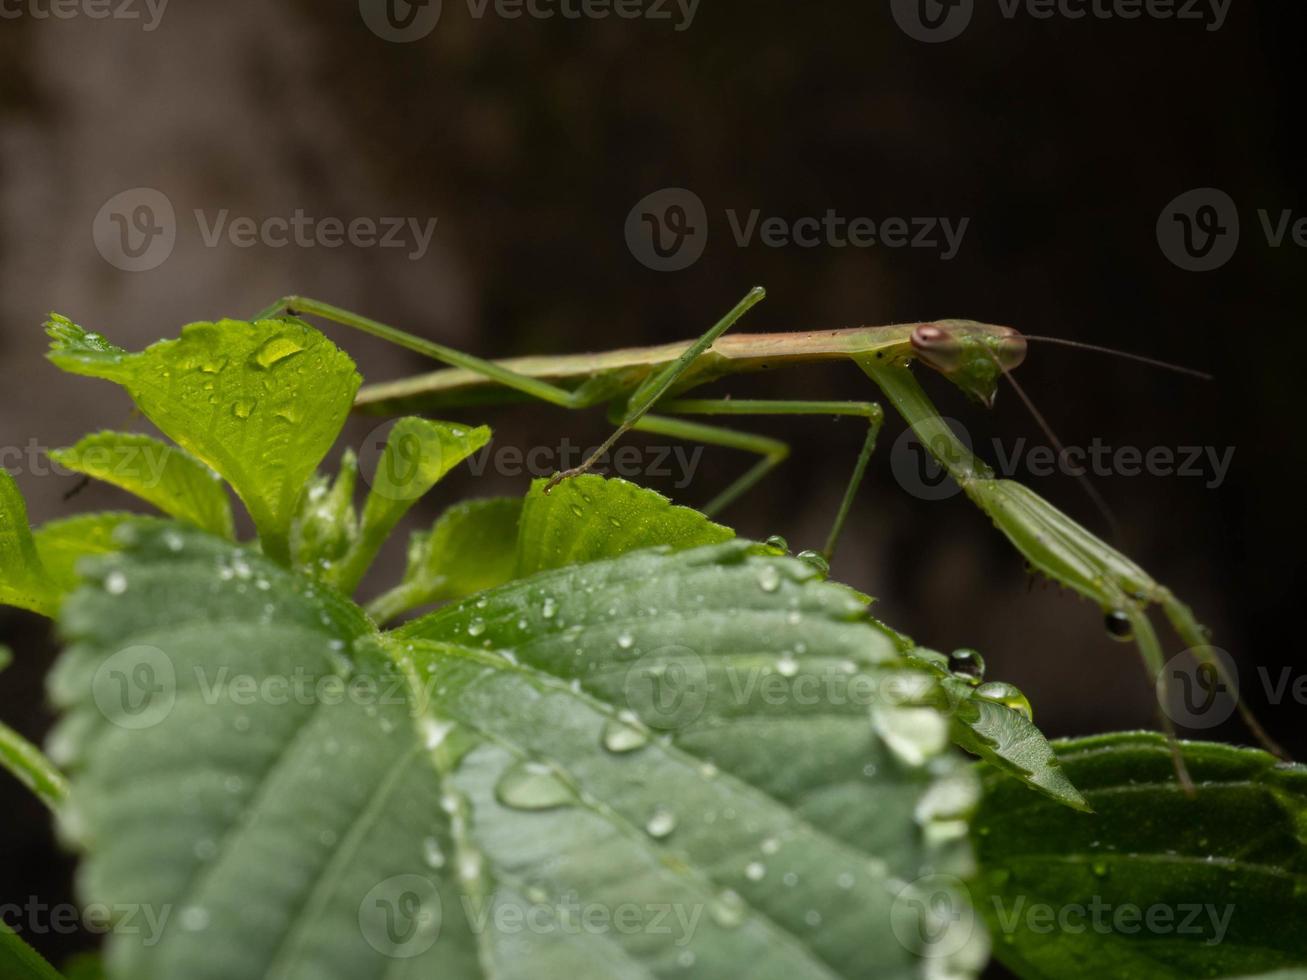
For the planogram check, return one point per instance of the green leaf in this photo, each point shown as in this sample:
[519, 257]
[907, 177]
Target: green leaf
[23, 580]
[418, 453]
[171, 479]
[471, 547]
[628, 740]
[993, 721]
[260, 403]
[18, 961]
[1223, 875]
[587, 518]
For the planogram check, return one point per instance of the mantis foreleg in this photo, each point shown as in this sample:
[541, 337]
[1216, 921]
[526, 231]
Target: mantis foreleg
[1051, 542]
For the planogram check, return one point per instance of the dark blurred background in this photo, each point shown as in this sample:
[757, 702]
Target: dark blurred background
[1062, 141]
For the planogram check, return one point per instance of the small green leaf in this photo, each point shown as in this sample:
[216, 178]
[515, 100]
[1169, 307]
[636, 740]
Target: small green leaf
[472, 547]
[18, 961]
[23, 580]
[170, 478]
[418, 453]
[1010, 741]
[326, 526]
[261, 403]
[1153, 883]
[588, 518]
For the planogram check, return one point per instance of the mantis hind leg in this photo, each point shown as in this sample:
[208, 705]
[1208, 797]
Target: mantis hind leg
[536, 388]
[773, 452]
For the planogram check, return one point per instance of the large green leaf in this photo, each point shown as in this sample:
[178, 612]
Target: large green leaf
[655, 765]
[260, 403]
[1153, 884]
[171, 479]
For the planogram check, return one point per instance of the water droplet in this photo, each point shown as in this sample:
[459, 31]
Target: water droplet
[727, 909]
[815, 559]
[532, 786]
[778, 543]
[685, 958]
[812, 917]
[914, 735]
[787, 666]
[661, 823]
[1100, 869]
[550, 608]
[968, 664]
[476, 627]
[1007, 695]
[243, 408]
[1118, 626]
[625, 640]
[620, 737]
[755, 870]
[115, 583]
[435, 732]
[432, 853]
[577, 510]
[770, 846]
[844, 880]
[276, 350]
[769, 578]
[195, 918]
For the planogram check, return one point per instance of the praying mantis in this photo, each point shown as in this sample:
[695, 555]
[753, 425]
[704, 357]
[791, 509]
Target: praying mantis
[973, 356]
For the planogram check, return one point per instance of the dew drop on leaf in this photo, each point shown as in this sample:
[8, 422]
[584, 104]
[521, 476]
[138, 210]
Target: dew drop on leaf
[620, 737]
[1007, 695]
[727, 909]
[274, 351]
[661, 823]
[778, 543]
[530, 785]
[815, 559]
[115, 583]
[769, 578]
[967, 664]
[755, 871]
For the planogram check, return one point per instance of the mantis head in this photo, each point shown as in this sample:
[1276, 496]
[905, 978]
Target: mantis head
[974, 356]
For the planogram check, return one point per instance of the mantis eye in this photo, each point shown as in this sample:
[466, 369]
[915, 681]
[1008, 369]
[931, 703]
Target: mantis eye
[1011, 350]
[937, 347]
